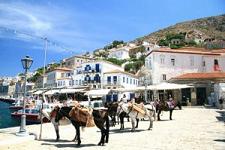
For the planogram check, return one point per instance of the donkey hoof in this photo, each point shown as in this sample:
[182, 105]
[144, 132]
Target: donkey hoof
[78, 144]
[99, 144]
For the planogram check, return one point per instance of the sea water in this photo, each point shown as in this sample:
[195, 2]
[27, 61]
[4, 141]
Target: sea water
[5, 116]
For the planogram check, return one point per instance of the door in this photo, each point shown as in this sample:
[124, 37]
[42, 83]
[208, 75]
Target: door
[186, 95]
[201, 96]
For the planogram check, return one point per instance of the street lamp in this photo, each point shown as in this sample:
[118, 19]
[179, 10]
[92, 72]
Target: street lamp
[26, 62]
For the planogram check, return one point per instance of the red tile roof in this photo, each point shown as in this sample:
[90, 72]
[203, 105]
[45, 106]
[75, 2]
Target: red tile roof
[211, 75]
[190, 50]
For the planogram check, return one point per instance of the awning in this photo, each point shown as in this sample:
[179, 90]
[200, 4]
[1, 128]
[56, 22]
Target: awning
[170, 86]
[135, 89]
[70, 90]
[100, 92]
[161, 86]
[38, 92]
[51, 92]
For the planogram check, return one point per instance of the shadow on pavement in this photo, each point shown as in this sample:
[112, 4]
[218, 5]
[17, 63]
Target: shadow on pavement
[126, 130]
[220, 140]
[53, 140]
[69, 145]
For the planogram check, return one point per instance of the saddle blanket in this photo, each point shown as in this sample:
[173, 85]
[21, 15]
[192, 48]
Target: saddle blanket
[171, 104]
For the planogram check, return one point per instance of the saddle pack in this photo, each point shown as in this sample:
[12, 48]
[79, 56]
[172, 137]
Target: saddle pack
[137, 107]
[83, 116]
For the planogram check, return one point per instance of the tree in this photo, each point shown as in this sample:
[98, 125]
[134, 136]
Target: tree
[116, 61]
[163, 42]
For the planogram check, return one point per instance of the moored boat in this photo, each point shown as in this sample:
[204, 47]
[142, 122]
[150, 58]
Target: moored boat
[32, 115]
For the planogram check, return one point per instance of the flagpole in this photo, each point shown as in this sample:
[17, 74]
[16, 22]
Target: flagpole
[45, 49]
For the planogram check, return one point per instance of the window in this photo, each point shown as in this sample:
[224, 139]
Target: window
[127, 80]
[123, 79]
[203, 63]
[192, 60]
[109, 79]
[133, 81]
[164, 77]
[162, 59]
[114, 79]
[173, 62]
[130, 81]
[70, 83]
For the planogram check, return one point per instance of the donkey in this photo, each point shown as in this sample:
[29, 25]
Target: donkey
[51, 116]
[166, 106]
[133, 114]
[100, 118]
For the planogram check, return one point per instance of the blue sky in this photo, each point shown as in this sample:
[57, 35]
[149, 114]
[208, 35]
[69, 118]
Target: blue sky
[77, 26]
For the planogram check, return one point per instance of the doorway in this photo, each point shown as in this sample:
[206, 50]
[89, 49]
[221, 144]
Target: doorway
[201, 95]
[186, 95]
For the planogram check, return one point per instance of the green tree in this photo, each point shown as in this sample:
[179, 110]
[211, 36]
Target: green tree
[115, 61]
[163, 42]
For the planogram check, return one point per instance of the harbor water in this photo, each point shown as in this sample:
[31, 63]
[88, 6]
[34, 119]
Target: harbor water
[5, 116]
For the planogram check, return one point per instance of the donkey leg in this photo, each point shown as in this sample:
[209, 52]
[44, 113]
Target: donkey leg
[101, 142]
[171, 111]
[121, 123]
[78, 134]
[133, 124]
[151, 123]
[159, 112]
[137, 121]
[75, 138]
[56, 126]
[57, 135]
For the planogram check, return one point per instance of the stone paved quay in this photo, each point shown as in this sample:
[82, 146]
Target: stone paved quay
[194, 128]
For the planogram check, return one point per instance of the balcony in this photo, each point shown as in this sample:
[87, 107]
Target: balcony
[91, 71]
[115, 83]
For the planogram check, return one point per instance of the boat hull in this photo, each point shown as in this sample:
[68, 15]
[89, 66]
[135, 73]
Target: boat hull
[30, 118]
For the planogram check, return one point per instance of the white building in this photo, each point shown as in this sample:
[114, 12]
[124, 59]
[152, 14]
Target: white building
[119, 53]
[75, 61]
[166, 63]
[150, 46]
[104, 75]
[57, 77]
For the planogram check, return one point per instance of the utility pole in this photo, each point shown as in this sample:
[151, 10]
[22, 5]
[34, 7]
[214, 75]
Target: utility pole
[43, 85]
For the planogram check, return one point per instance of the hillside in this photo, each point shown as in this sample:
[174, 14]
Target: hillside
[203, 28]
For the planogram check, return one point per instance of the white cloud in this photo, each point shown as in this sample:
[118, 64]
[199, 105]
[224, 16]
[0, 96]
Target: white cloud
[72, 29]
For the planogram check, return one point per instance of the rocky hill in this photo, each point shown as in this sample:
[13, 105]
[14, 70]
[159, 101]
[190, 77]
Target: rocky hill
[203, 28]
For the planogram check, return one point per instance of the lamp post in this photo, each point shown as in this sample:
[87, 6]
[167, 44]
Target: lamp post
[26, 62]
